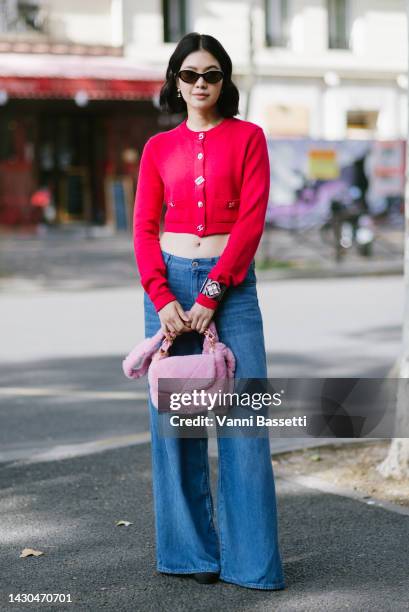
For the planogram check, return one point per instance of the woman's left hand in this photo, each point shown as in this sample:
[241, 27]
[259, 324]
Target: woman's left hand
[200, 317]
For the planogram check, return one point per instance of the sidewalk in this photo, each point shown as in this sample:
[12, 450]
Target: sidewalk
[338, 553]
[307, 256]
[78, 257]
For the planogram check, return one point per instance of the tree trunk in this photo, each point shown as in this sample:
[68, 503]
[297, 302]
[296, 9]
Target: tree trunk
[396, 463]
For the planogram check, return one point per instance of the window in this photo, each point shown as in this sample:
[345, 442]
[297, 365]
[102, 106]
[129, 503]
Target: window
[277, 23]
[174, 20]
[22, 16]
[362, 123]
[283, 120]
[338, 24]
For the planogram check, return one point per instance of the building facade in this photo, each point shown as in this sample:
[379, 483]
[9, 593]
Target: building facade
[320, 68]
[75, 113]
[79, 85]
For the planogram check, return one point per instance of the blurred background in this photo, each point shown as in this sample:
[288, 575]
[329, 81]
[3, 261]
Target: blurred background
[79, 84]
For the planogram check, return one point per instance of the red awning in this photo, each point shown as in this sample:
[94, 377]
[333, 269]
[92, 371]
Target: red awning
[63, 76]
[66, 88]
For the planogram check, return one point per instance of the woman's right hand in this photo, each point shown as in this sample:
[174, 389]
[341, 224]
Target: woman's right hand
[174, 319]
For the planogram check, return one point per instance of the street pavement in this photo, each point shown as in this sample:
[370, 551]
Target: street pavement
[78, 257]
[61, 353]
[338, 553]
[75, 454]
[69, 329]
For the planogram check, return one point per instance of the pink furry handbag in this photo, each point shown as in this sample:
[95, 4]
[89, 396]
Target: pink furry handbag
[211, 371]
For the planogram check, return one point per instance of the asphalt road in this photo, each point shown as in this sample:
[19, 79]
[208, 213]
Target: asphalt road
[338, 553]
[61, 381]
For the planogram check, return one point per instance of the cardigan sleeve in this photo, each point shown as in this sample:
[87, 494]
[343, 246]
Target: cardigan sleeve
[232, 266]
[146, 220]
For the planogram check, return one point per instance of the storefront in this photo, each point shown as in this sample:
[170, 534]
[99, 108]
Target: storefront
[75, 142]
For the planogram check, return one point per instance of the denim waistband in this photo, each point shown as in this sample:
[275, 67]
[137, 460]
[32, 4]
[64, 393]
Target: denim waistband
[187, 261]
[195, 262]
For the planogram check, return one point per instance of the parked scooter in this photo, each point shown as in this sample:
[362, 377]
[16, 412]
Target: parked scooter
[351, 224]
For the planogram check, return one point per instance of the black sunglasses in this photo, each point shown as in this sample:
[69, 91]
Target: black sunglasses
[190, 76]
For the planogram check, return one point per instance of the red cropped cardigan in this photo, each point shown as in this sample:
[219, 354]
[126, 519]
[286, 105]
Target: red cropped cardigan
[212, 182]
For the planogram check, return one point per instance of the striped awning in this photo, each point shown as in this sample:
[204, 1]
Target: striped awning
[65, 77]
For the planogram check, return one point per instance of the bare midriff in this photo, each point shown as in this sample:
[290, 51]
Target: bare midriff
[192, 246]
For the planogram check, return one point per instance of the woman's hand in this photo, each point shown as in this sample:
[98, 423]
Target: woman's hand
[200, 317]
[174, 319]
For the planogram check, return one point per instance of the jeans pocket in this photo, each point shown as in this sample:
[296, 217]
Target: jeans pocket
[167, 258]
[151, 317]
[250, 278]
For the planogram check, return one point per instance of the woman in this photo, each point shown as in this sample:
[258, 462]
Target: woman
[212, 171]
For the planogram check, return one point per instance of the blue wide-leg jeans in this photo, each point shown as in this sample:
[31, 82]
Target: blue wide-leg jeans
[244, 547]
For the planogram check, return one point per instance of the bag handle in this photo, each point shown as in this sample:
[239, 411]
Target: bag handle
[210, 340]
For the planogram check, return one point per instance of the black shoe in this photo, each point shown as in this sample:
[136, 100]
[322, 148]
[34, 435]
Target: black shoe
[206, 577]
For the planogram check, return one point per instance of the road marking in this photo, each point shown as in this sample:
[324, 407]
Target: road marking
[71, 392]
[68, 451]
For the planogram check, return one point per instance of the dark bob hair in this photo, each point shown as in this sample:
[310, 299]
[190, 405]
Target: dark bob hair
[228, 101]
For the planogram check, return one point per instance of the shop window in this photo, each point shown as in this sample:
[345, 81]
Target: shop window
[16, 139]
[7, 142]
[277, 32]
[338, 24]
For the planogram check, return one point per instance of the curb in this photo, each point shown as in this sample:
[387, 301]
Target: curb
[312, 482]
[21, 284]
[327, 442]
[384, 269]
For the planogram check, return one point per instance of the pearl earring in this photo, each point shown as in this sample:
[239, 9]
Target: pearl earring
[179, 95]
